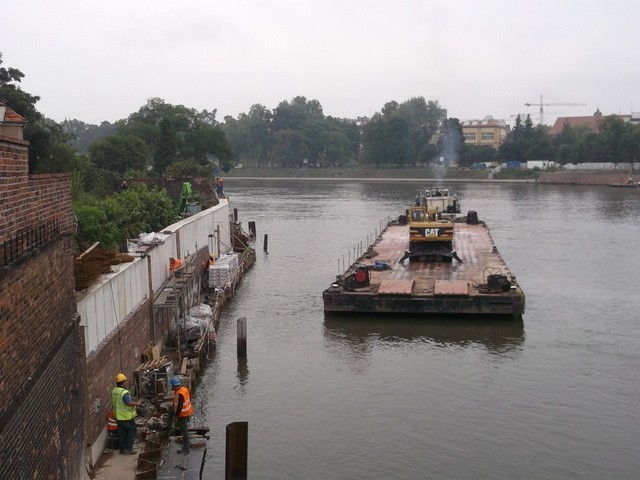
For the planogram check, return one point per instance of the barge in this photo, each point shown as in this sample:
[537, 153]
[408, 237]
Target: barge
[475, 281]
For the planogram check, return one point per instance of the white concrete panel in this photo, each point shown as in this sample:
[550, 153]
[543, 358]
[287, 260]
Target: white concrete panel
[120, 293]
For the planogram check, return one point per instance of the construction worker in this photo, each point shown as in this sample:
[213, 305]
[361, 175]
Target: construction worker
[220, 187]
[124, 411]
[174, 264]
[181, 411]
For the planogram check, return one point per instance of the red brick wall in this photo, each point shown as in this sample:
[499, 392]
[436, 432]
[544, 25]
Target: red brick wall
[42, 382]
[27, 201]
[121, 352]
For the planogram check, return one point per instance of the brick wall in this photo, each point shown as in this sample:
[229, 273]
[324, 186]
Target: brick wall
[26, 200]
[121, 352]
[42, 382]
[44, 437]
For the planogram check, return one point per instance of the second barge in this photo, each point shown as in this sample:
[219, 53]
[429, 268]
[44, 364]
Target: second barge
[381, 281]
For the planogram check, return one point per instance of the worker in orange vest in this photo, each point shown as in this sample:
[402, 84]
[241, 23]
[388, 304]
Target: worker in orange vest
[174, 264]
[181, 411]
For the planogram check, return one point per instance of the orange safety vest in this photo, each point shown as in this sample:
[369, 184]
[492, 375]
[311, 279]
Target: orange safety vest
[112, 425]
[186, 402]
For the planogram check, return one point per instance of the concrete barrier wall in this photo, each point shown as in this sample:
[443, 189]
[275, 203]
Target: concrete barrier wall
[112, 301]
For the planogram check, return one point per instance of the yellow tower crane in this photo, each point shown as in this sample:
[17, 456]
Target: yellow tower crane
[542, 104]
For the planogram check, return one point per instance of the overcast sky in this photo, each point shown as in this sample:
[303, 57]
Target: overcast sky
[100, 60]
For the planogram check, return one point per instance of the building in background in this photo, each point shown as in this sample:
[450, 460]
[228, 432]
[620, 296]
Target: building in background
[490, 131]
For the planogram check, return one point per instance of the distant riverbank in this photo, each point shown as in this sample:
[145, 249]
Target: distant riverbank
[418, 174]
[407, 174]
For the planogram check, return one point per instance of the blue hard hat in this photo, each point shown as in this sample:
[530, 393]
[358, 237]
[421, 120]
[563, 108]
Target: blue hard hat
[175, 382]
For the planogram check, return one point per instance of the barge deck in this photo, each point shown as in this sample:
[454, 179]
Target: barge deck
[379, 283]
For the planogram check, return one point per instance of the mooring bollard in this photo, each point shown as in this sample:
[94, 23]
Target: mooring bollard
[242, 337]
[266, 242]
[235, 466]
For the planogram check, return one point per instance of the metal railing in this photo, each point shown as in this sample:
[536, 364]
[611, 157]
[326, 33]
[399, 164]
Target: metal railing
[24, 241]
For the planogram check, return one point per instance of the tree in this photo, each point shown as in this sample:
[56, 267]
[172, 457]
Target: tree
[186, 169]
[478, 154]
[374, 141]
[420, 118]
[82, 134]
[43, 135]
[166, 150]
[292, 115]
[119, 153]
[122, 215]
[177, 133]
[398, 145]
[619, 140]
[513, 147]
[289, 148]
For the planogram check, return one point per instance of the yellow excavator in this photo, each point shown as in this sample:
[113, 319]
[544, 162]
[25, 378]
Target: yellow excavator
[431, 227]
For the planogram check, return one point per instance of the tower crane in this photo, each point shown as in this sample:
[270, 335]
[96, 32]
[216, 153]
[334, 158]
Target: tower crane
[542, 104]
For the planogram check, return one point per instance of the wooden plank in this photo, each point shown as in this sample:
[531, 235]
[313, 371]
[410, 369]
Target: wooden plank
[183, 369]
[87, 250]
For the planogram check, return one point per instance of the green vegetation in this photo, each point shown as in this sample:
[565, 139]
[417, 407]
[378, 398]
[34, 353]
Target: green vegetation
[117, 217]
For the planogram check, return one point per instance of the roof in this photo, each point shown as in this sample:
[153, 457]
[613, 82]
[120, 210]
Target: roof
[591, 121]
[8, 115]
[488, 121]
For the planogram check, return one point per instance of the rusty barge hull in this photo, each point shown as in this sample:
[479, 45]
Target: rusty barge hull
[429, 288]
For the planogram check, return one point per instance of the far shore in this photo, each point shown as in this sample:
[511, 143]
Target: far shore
[369, 179]
[437, 175]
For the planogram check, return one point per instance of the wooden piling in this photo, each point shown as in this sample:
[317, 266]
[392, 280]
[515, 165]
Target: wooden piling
[242, 337]
[252, 229]
[236, 451]
[266, 242]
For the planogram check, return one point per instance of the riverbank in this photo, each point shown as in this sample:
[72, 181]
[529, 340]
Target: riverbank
[452, 175]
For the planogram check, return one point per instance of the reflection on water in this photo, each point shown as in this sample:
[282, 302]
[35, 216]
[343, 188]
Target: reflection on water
[497, 336]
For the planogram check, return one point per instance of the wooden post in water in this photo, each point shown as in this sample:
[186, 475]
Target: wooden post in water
[235, 465]
[242, 337]
[266, 243]
[235, 215]
[252, 229]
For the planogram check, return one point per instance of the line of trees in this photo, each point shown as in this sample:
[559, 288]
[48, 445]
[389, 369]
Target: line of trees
[292, 133]
[615, 141]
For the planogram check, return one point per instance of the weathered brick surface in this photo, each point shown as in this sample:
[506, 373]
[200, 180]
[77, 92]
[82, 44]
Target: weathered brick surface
[121, 352]
[44, 438]
[42, 380]
[30, 200]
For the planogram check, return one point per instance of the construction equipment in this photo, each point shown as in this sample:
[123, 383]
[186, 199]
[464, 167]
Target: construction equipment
[542, 104]
[431, 226]
[188, 203]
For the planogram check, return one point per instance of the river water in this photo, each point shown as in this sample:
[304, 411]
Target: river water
[555, 396]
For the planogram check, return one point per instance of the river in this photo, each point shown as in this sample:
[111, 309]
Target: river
[555, 396]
